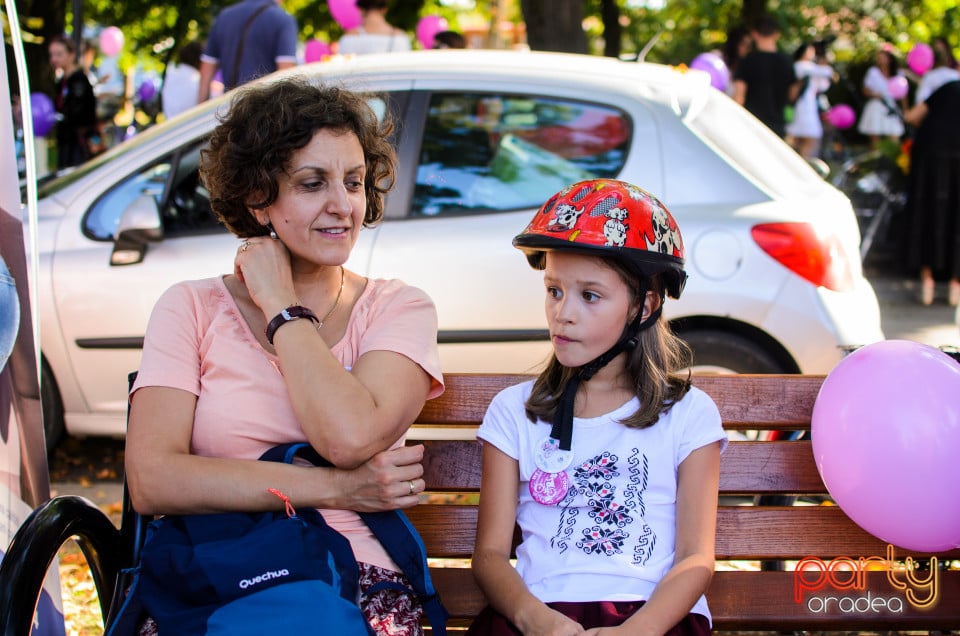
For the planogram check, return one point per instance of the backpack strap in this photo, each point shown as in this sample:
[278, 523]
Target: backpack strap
[235, 73]
[404, 545]
[394, 531]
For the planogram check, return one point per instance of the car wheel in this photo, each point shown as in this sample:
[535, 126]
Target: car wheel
[716, 351]
[53, 426]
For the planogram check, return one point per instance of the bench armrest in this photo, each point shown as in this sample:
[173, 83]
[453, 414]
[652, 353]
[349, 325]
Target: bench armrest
[35, 546]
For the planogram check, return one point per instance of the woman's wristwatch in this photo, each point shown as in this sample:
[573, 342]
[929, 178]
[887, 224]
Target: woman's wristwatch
[293, 312]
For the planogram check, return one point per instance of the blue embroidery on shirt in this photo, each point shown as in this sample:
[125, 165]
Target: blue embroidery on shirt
[594, 480]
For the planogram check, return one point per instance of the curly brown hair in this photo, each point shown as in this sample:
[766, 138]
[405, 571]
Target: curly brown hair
[267, 122]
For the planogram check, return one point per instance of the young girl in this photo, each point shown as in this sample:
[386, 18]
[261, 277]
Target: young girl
[881, 117]
[608, 461]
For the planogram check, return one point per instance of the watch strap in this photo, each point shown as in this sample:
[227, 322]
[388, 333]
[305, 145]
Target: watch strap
[291, 313]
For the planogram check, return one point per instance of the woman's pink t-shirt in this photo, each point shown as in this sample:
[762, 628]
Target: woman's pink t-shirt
[198, 341]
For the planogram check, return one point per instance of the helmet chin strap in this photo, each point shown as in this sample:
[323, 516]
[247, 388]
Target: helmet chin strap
[563, 417]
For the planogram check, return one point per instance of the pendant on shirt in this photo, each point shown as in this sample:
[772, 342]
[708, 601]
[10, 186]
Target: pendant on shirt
[549, 488]
[550, 458]
[550, 482]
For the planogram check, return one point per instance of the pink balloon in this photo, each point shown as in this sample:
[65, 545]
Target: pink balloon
[898, 86]
[920, 58]
[315, 50]
[713, 64]
[886, 436]
[111, 41]
[428, 27]
[841, 116]
[346, 13]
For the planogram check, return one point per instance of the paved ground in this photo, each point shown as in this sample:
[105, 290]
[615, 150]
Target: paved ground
[904, 318]
[93, 468]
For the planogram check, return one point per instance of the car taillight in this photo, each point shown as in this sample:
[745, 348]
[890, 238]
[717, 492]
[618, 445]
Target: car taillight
[822, 260]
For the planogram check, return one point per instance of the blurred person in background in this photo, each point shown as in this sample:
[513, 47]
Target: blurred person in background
[736, 47]
[375, 34]
[449, 40]
[181, 83]
[76, 103]
[933, 197]
[110, 89]
[248, 39]
[881, 116]
[805, 130]
[944, 70]
[765, 82]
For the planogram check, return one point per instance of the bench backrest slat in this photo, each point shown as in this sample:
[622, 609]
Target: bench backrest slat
[741, 597]
[745, 402]
[787, 467]
[748, 533]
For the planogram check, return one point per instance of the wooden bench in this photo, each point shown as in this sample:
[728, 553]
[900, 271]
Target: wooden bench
[742, 597]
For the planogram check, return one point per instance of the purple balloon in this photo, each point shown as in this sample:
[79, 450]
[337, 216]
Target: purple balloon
[886, 432]
[715, 67]
[44, 114]
[147, 90]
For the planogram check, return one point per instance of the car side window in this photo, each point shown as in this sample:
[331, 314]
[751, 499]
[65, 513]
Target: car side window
[174, 183]
[104, 216]
[186, 210]
[496, 152]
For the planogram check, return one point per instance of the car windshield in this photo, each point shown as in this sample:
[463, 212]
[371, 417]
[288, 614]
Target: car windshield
[757, 152]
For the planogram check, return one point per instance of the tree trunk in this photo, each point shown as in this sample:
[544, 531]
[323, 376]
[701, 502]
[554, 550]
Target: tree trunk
[554, 25]
[612, 31]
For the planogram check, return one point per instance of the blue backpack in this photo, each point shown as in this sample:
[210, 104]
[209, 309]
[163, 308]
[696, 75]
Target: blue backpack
[248, 573]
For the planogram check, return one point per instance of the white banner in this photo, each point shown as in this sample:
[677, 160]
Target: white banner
[24, 477]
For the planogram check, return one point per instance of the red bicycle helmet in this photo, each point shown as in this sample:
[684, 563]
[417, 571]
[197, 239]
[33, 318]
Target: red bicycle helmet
[610, 218]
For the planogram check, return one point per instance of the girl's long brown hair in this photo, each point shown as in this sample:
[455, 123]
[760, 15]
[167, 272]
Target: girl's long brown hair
[653, 366]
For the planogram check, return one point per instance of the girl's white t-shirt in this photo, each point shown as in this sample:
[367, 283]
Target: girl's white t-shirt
[612, 537]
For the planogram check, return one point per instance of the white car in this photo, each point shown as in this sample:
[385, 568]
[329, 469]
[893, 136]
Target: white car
[484, 137]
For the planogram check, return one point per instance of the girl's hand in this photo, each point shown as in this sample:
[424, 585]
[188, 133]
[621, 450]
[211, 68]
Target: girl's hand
[263, 265]
[605, 631]
[388, 481]
[550, 622]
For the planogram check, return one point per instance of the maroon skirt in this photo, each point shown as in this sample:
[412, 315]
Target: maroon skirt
[589, 615]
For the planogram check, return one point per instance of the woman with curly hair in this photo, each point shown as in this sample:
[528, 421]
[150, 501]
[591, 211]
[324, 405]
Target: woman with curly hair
[290, 345]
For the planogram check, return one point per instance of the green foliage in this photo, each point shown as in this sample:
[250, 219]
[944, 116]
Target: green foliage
[682, 28]
[685, 28]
